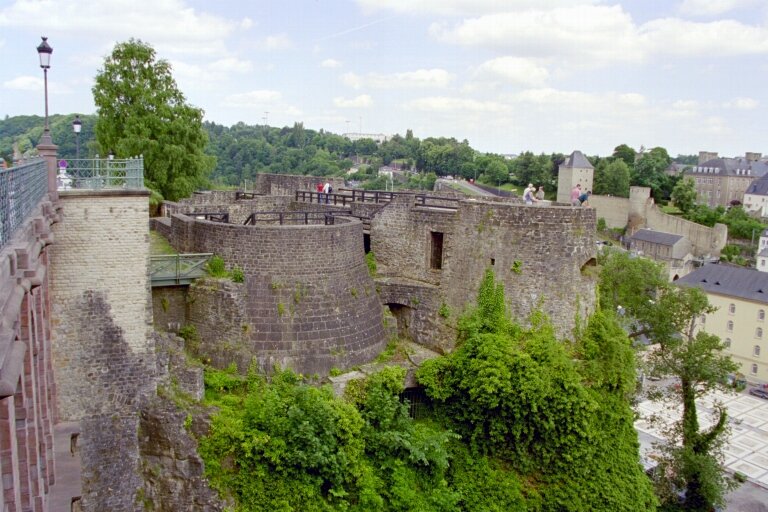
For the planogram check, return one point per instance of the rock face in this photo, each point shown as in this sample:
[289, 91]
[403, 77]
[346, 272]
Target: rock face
[172, 470]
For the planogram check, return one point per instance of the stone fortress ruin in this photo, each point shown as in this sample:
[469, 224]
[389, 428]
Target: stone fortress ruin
[308, 301]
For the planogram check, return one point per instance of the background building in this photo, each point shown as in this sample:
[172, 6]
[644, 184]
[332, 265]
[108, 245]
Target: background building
[574, 171]
[741, 298]
[673, 251]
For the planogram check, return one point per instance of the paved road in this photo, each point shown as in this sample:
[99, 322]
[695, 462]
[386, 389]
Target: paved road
[466, 187]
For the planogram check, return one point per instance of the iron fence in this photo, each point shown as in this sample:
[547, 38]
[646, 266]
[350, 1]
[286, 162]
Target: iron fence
[177, 269]
[101, 173]
[21, 190]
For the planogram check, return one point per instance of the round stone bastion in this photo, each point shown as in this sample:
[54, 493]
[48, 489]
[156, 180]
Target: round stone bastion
[307, 301]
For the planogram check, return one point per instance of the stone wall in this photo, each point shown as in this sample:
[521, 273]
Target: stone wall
[169, 307]
[104, 359]
[238, 210]
[307, 303]
[538, 253]
[287, 185]
[27, 388]
[640, 211]
[101, 301]
[614, 210]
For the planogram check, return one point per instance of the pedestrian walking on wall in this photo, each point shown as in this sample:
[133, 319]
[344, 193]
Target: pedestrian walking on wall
[575, 194]
[319, 189]
[584, 199]
[540, 194]
[528, 195]
[327, 191]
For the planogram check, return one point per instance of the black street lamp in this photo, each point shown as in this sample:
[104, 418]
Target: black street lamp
[44, 51]
[77, 125]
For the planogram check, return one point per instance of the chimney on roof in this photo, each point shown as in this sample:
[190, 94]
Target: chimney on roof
[753, 157]
[706, 156]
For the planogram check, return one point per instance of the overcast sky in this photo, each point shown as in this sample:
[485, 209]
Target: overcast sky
[508, 75]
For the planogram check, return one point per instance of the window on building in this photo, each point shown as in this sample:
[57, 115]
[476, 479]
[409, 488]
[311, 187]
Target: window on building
[729, 326]
[436, 257]
[727, 343]
[754, 369]
[732, 308]
[703, 319]
[761, 312]
[762, 263]
[759, 332]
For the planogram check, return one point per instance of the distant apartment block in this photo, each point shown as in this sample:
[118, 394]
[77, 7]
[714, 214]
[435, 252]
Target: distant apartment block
[720, 181]
[378, 138]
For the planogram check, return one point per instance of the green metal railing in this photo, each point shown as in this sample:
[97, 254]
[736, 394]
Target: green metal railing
[177, 269]
[21, 190]
[101, 173]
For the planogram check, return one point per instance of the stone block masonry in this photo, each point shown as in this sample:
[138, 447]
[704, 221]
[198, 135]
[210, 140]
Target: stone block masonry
[103, 357]
[27, 388]
[307, 303]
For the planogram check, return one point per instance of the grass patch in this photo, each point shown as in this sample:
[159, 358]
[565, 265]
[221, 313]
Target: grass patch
[159, 245]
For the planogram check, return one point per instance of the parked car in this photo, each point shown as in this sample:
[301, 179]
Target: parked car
[758, 392]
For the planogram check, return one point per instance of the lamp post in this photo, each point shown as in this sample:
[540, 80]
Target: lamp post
[77, 125]
[44, 51]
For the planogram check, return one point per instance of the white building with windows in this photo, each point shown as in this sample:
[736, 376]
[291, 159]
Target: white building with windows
[741, 297]
[762, 252]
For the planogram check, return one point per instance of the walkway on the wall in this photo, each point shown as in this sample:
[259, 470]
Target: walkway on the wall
[348, 196]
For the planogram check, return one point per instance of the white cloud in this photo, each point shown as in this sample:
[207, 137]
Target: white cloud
[277, 42]
[25, 83]
[257, 98]
[169, 25]
[711, 7]
[352, 80]
[330, 63]
[461, 7]
[246, 23]
[231, 65]
[589, 34]
[718, 38]
[453, 104]
[742, 103]
[361, 101]
[516, 70]
[421, 78]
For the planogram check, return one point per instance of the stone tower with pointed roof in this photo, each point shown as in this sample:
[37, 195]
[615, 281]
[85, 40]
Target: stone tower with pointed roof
[575, 170]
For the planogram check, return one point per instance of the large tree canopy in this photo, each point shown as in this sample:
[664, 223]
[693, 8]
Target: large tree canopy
[142, 112]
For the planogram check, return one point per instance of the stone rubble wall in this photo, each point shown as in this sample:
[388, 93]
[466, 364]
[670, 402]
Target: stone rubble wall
[537, 253]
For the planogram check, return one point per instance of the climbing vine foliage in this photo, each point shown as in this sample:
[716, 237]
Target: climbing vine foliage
[517, 421]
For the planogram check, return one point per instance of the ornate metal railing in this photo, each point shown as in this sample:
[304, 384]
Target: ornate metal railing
[177, 269]
[101, 173]
[21, 190]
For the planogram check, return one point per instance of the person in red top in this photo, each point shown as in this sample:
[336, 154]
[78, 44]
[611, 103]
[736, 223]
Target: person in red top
[319, 189]
[575, 193]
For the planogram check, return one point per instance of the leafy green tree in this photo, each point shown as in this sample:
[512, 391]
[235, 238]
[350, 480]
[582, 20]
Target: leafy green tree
[626, 154]
[612, 178]
[141, 111]
[696, 359]
[684, 194]
[649, 170]
[668, 315]
[741, 225]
